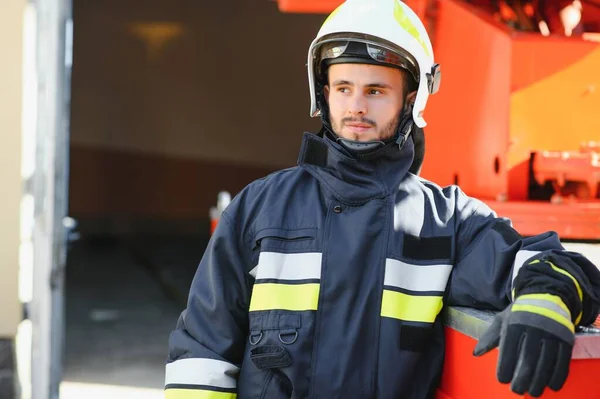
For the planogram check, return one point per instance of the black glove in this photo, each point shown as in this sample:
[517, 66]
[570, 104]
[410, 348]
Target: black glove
[536, 336]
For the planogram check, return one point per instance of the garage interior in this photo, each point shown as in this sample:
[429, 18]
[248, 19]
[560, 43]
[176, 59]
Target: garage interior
[171, 102]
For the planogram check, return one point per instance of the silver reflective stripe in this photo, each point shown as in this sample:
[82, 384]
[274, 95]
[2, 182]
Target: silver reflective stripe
[520, 260]
[545, 304]
[416, 277]
[195, 371]
[409, 213]
[280, 266]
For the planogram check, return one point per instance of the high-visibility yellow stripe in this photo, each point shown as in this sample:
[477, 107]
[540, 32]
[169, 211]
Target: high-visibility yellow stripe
[406, 307]
[332, 15]
[405, 22]
[197, 394]
[297, 297]
[564, 272]
[544, 312]
[577, 286]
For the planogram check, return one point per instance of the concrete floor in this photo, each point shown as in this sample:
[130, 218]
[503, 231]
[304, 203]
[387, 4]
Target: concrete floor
[123, 300]
[76, 390]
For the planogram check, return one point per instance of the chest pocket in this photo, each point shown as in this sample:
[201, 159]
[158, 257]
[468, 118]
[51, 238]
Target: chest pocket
[288, 270]
[284, 299]
[285, 240]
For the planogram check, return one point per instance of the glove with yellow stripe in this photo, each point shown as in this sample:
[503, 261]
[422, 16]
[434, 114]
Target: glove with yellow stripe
[536, 337]
[551, 295]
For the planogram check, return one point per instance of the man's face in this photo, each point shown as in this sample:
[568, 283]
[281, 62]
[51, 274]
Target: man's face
[365, 101]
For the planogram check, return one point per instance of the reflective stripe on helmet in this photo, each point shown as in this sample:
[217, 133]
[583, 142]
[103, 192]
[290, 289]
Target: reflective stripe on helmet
[407, 24]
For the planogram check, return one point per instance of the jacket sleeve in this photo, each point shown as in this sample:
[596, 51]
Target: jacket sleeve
[494, 263]
[207, 345]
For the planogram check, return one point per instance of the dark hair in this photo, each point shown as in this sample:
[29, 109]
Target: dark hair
[410, 84]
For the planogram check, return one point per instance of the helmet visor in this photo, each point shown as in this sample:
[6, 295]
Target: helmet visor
[333, 49]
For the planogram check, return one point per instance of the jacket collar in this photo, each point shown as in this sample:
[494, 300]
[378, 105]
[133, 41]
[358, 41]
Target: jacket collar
[350, 180]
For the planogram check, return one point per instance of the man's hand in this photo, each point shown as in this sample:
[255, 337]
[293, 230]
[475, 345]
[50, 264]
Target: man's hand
[536, 335]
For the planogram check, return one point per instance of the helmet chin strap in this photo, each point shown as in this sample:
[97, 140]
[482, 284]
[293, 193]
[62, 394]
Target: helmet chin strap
[360, 147]
[405, 127]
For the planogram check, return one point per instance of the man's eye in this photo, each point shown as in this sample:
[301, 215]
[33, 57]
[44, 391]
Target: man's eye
[343, 89]
[373, 91]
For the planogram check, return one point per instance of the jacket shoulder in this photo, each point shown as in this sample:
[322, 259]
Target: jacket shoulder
[283, 179]
[260, 198]
[434, 190]
[452, 196]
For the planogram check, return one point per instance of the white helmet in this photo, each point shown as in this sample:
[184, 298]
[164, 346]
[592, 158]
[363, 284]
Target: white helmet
[393, 34]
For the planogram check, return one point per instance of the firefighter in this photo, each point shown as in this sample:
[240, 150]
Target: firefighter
[327, 280]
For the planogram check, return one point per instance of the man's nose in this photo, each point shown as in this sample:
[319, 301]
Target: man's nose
[358, 105]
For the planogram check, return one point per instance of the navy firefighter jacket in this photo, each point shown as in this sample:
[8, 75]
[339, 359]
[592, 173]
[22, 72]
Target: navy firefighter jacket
[326, 280]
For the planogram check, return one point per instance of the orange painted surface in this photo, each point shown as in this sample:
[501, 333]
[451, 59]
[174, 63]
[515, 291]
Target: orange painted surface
[560, 110]
[213, 225]
[308, 6]
[580, 220]
[553, 99]
[504, 94]
[535, 58]
[575, 166]
[327, 6]
[468, 377]
[468, 118]
[441, 395]
[553, 105]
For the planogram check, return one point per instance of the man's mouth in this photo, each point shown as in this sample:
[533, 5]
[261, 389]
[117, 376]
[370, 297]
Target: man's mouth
[358, 128]
[359, 125]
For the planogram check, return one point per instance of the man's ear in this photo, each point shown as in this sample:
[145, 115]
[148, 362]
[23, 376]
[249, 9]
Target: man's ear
[410, 97]
[326, 93]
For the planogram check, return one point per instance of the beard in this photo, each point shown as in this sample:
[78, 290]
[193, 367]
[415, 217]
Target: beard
[387, 132]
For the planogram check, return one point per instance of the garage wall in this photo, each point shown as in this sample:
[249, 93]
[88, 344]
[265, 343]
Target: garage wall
[11, 43]
[172, 101]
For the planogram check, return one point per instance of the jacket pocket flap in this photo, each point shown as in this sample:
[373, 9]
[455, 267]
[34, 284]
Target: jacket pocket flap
[294, 234]
[261, 321]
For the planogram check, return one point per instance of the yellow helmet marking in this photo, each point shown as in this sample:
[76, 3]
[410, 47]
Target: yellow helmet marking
[332, 14]
[407, 25]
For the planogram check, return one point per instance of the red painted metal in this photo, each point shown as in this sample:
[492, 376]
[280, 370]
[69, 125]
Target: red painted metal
[308, 6]
[508, 110]
[574, 173]
[575, 220]
[469, 377]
